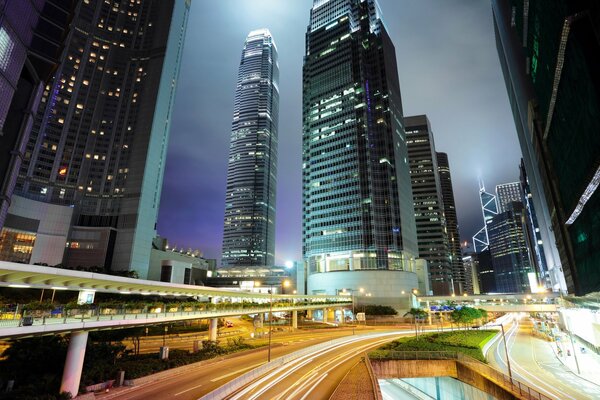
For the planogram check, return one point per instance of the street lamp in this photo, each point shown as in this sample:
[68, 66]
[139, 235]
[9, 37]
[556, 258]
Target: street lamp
[505, 350]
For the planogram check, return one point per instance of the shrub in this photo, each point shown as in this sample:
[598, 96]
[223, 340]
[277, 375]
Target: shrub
[380, 310]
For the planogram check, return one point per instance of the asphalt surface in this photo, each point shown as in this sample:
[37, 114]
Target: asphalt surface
[198, 381]
[533, 363]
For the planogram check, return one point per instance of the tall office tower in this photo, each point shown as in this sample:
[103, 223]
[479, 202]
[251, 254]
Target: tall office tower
[249, 228]
[509, 252]
[535, 242]
[31, 35]
[471, 264]
[358, 218]
[460, 273]
[432, 235]
[507, 193]
[549, 55]
[99, 139]
[489, 208]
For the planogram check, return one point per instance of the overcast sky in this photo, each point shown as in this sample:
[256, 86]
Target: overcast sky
[448, 67]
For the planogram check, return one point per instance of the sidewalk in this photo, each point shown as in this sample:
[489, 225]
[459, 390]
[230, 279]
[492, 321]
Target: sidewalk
[589, 361]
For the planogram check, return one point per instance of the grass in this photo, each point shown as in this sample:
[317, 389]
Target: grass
[469, 343]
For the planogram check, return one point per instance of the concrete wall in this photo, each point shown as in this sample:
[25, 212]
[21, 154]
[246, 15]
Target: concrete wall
[178, 262]
[388, 369]
[51, 235]
[384, 286]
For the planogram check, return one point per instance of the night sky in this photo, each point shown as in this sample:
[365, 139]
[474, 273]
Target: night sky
[448, 67]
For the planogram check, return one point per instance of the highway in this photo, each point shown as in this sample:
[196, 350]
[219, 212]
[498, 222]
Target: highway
[198, 381]
[533, 363]
[314, 375]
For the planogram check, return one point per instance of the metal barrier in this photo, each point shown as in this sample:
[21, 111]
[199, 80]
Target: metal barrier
[146, 315]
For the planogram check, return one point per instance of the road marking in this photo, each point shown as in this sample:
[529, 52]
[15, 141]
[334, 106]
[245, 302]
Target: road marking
[236, 372]
[313, 387]
[187, 390]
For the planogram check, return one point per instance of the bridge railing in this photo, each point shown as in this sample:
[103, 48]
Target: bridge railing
[19, 315]
[499, 378]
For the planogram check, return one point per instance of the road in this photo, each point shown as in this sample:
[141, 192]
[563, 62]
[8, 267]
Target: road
[317, 374]
[197, 381]
[533, 363]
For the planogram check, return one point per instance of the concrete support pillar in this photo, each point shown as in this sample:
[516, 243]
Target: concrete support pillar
[429, 312]
[212, 329]
[74, 363]
[294, 319]
[325, 312]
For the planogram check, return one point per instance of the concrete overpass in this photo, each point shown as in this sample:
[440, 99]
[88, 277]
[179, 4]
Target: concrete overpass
[87, 284]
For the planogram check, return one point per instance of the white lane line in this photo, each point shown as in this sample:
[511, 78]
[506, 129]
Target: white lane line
[236, 372]
[187, 390]
[521, 370]
[313, 387]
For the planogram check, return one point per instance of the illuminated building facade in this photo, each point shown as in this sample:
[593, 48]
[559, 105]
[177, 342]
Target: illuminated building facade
[549, 55]
[432, 235]
[489, 208]
[31, 36]
[100, 136]
[509, 251]
[507, 193]
[461, 273]
[249, 226]
[358, 217]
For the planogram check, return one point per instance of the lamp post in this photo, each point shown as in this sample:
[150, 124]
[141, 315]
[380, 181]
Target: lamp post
[270, 321]
[505, 350]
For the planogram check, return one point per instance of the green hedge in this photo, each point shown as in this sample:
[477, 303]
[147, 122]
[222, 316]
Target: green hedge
[466, 342]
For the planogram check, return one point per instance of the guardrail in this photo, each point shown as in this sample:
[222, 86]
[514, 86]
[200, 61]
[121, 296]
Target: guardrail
[62, 317]
[490, 373]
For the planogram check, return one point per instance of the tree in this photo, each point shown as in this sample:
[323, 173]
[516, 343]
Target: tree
[416, 313]
[465, 315]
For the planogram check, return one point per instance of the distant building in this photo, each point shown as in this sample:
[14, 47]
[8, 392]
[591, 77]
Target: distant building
[549, 56]
[507, 193]
[99, 138]
[461, 276]
[471, 265]
[358, 217]
[169, 264]
[432, 235]
[489, 208]
[534, 239]
[509, 251]
[484, 271]
[249, 225]
[31, 38]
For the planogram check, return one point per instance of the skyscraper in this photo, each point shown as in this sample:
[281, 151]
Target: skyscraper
[534, 239]
[249, 227]
[489, 208]
[432, 235]
[25, 66]
[100, 136]
[509, 252]
[461, 274]
[507, 193]
[549, 55]
[358, 217]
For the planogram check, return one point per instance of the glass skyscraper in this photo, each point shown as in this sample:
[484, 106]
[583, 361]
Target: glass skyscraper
[461, 273]
[31, 35]
[357, 198]
[549, 56]
[489, 208]
[249, 226]
[432, 233]
[100, 136]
